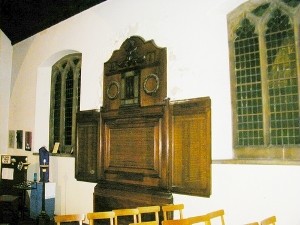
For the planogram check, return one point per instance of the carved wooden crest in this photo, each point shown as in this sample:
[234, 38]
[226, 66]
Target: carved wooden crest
[135, 75]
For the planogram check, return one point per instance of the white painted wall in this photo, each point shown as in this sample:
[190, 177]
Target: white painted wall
[195, 35]
[6, 51]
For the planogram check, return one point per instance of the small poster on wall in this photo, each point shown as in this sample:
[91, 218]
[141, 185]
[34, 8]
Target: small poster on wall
[11, 138]
[28, 140]
[19, 139]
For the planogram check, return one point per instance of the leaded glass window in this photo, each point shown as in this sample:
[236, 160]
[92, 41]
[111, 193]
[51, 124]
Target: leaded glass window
[248, 86]
[65, 102]
[264, 71]
[282, 81]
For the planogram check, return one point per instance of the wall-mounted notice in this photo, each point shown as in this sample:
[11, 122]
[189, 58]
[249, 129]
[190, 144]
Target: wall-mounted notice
[7, 173]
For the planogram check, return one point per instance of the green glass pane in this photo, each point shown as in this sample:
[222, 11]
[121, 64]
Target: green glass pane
[260, 10]
[291, 3]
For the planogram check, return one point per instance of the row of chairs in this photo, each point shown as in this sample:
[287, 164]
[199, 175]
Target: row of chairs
[205, 219]
[136, 214]
[268, 221]
[113, 215]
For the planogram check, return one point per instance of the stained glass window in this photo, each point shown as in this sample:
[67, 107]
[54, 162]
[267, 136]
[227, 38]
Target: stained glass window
[65, 102]
[264, 78]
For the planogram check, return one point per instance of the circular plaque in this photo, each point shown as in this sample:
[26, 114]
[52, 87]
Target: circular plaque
[113, 90]
[151, 84]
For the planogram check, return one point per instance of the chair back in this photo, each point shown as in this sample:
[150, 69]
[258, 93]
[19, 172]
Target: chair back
[215, 214]
[148, 209]
[199, 219]
[145, 223]
[176, 222]
[269, 221]
[204, 219]
[126, 212]
[101, 216]
[69, 218]
[172, 208]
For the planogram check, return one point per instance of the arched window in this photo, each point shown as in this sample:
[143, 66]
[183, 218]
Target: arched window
[264, 69]
[65, 102]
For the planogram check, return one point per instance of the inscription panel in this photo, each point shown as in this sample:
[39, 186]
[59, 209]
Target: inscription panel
[132, 149]
[137, 149]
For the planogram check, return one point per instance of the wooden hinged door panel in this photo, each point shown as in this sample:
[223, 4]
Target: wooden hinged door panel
[87, 149]
[191, 146]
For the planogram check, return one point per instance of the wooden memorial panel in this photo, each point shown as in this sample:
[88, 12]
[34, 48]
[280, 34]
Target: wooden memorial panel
[149, 147]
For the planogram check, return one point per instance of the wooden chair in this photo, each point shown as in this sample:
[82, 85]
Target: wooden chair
[199, 219]
[69, 218]
[145, 223]
[254, 223]
[219, 213]
[188, 221]
[126, 212]
[148, 209]
[172, 208]
[269, 221]
[101, 216]
[176, 222]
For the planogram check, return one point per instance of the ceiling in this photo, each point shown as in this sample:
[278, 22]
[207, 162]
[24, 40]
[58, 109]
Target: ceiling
[20, 19]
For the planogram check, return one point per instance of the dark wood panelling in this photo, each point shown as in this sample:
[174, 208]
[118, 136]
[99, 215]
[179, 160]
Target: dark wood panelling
[134, 146]
[88, 143]
[109, 196]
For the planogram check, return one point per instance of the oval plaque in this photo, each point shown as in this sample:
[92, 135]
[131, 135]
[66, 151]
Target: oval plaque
[113, 90]
[151, 84]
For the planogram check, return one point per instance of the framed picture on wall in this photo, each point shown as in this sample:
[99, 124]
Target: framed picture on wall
[28, 140]
[56, 147]
[11, 138]
[19, 139]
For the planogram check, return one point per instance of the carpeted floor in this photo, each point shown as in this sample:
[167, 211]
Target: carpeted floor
[27, 221]
[9, 219]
